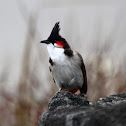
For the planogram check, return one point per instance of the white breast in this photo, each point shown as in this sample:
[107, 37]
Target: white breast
[56, 54]
[66, 72]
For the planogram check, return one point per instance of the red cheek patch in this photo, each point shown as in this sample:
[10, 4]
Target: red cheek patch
[60, 43]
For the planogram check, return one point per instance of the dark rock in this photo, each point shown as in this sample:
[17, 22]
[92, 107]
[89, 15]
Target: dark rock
[66, 109]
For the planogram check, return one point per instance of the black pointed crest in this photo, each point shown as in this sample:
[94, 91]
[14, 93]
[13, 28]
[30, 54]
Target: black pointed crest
[55, 32]
[55, 36]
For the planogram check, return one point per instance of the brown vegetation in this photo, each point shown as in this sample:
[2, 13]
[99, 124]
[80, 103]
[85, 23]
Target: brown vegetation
[23, 107]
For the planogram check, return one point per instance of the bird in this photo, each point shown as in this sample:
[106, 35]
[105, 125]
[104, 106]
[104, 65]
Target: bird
[66, 65]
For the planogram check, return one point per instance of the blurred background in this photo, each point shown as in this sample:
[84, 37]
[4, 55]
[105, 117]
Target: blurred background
[95, 28]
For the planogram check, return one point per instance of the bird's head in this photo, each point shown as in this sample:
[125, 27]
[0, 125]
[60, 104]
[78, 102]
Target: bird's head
[55, 39]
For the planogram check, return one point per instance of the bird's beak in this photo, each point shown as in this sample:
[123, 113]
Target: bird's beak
[45, 41]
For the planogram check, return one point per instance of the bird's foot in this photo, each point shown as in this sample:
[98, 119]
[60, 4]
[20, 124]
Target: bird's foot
[61, 90]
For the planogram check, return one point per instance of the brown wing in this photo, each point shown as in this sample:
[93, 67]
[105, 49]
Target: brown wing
[84, 87]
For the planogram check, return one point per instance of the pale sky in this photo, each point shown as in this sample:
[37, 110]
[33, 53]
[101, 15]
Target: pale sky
[80, 21]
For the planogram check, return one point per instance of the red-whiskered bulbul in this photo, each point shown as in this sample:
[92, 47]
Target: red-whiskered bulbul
[66, 65]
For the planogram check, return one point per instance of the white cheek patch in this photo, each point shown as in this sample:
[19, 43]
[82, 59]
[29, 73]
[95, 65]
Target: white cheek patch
[56, 45]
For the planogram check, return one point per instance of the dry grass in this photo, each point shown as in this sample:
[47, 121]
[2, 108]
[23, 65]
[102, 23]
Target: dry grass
[23, 108]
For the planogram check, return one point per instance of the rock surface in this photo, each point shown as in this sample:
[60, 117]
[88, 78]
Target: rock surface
[66, 109]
